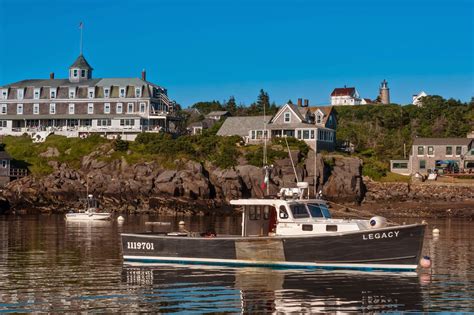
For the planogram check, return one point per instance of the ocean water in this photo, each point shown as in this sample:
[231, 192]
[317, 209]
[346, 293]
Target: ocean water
[49, 265]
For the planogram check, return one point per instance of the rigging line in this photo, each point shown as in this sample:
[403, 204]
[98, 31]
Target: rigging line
[291, 159]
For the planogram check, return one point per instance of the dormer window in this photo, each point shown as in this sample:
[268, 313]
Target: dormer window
[287, 117]
[83, 73]
[52, 108]
[319, 119]
[74, 73]
[52, 93]
[91, 92]
[4, 94]
[106, 92]
[138, 92]
[36, 94]
[19, 94]
[122, 92]
[72, 92]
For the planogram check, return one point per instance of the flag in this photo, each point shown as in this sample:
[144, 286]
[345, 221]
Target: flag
[81, 25]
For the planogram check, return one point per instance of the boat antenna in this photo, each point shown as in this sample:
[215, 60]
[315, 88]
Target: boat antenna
[291, 159]
[266, 167]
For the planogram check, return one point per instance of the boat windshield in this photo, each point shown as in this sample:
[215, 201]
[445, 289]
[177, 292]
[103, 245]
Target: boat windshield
[299, 211]
[318, 210]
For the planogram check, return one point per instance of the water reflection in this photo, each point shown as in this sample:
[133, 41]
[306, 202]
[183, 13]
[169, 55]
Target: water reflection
[263, 290]
[48, 265]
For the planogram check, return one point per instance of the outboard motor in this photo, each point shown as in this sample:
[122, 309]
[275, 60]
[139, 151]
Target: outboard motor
[377, 222]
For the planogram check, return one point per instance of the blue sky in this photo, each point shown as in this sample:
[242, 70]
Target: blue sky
[210, 49]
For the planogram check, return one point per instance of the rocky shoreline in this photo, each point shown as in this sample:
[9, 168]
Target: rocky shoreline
[202, 189]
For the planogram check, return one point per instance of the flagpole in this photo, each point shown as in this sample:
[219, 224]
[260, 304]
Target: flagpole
[81, 27]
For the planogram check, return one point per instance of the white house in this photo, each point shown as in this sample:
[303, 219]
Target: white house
[345, 96]
[416, 99]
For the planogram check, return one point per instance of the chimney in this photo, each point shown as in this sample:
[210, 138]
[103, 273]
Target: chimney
[51, 76]
[300, 102]
[306, 103]
[143, 75]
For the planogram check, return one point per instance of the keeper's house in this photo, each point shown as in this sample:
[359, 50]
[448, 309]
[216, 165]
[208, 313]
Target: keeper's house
[83, 105]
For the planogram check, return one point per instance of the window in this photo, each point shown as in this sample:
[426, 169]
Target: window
[72, 93]
[130, 108]
[449, 150]
[4, 163]
[421, 150]
[104, 122]
[52, 93]
[19, 109]
[138, 92]
[127, 122]
[4, 94]
[36, 109]
[119, 108]
[122, 92]
[83, 73]
[306, 134]
[71, 109]
[312, 134]
[287, 117]
[106, 92]
[36, 94]
[3, 123]
[107, 108]
[422, 164]
[90, 108]
[52, 108]
[19, 94]
[430, 150]
[299, 211]
[282, 213]
[90, 92]
[458, 150]
[74, 73]
[400, 165]
[4, 109]
[142, 107]
[318, 119]
[315, 211]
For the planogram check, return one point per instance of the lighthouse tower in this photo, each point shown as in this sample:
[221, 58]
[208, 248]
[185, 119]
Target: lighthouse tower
[384, 92]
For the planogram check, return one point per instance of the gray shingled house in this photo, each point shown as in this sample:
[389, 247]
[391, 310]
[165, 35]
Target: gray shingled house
[81, 105]
[442, 154]
[314, 125]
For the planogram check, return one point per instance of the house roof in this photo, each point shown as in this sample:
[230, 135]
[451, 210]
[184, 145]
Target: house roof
[442, 141]
[294, 108]
[327, 110]
[81, 63]
[55, 83]
[218, 113]
[205, 123]
[350, 91]
[241, 125]
[368, 100]
[5, 155]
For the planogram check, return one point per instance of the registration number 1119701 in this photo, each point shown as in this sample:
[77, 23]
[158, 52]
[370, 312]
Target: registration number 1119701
[140, 245]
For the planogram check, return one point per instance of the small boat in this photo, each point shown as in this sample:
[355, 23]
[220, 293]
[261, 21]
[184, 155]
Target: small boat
[90, 212]
[291, 232]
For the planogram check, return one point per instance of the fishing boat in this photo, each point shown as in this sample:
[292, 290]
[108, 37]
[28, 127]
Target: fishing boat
[289, 231]
[89, 213]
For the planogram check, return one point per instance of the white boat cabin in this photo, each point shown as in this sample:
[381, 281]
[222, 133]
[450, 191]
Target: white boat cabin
[281, 217]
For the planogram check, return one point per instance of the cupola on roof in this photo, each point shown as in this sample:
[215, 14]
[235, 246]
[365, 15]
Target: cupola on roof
[81, 63]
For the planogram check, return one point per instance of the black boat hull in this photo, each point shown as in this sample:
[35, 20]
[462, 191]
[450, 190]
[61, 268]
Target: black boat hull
[390, 248]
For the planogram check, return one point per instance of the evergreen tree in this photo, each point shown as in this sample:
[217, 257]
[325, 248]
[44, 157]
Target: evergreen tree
[263, 101]
[231, 105]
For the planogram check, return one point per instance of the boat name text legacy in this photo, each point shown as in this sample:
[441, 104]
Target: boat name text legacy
[376, 236]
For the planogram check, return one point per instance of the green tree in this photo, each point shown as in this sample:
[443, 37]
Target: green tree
[231, 105]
